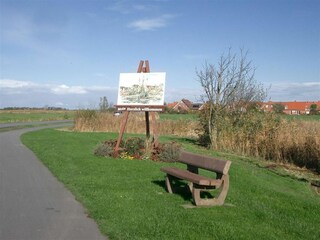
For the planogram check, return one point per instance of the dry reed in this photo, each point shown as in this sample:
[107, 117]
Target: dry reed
[88, 121]
[277, 140]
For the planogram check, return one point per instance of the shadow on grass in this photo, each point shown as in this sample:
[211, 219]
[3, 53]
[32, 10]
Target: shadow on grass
[181, 188]
[182, 140]
[189, 141]
[178, 187]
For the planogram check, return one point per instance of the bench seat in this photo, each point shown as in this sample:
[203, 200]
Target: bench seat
[192, 177]
[198, 183]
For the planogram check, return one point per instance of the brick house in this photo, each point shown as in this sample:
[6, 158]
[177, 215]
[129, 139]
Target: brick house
[184, 105]
[291, 108]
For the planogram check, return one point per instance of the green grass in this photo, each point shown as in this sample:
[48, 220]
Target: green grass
[301, 117]
[128, 200]
[30, 116]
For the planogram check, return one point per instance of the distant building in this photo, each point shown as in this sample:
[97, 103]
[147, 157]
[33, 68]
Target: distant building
[291, 108]
[184, 105]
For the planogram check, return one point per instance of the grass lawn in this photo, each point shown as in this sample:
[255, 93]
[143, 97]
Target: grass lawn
[301, 117]
[7, 116]
[128, 200]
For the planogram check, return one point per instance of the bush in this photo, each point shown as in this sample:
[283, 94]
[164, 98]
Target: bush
[134, 147]
[106, 148]
[167, 152]
[103, 150]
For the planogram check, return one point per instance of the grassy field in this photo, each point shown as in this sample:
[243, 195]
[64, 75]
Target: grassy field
[301, 117]
[176, 116]
[128, 200]
[42, 115]
[7, 116]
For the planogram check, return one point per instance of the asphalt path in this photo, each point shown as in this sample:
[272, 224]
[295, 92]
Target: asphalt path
[33, 203]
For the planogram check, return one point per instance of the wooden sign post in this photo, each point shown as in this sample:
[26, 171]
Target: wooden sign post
[143, 68]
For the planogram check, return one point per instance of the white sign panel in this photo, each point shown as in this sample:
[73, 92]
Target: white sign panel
[141, 89]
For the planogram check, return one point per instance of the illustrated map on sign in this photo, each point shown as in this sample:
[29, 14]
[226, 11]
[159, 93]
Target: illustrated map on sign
[141, 88]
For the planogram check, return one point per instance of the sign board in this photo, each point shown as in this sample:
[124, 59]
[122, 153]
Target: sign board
[140, 90]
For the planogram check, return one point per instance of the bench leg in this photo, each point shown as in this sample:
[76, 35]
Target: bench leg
[225, 188]
[218, 201]
[168, 183]
[169, 179]
[190, 185]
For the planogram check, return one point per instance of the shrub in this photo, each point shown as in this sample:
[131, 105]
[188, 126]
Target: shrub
[103, 150]
[106, 148]
[167, 152]
[134, 146]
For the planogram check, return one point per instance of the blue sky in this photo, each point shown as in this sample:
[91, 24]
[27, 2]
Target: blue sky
[69, 53]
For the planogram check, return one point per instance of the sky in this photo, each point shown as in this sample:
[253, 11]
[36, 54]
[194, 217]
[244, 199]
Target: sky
[70, 53]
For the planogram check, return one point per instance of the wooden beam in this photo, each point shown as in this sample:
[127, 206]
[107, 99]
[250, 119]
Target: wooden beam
[147, 125]
[154, 129]
[122, 129]
[140, 67]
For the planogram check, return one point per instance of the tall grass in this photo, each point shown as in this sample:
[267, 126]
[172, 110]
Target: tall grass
[90, 120]
[273, 138]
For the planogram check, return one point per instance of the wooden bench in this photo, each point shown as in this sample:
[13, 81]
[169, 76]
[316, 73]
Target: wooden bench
[198, 183]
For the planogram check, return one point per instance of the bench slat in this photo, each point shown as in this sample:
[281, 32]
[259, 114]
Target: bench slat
[205, 162]
[192, 177]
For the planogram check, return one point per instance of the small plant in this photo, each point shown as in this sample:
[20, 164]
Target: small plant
[167, 152]
[103, 150]
[66, 115]
[106, 148]
[135, 147]
[112, 143]
[125, 155]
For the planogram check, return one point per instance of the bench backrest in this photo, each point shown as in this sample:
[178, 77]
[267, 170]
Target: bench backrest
[205, 162]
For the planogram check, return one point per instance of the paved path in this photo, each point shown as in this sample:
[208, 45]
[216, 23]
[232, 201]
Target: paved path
[33, 204]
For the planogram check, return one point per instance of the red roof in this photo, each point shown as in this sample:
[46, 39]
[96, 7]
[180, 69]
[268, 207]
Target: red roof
[187, 102]
[300, 106]
[172, 105]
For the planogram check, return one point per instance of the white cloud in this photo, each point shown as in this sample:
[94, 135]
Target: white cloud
[127, 7]
[64, 89]
[296, 85]
[291, 91]
[14, 84]
[151, 23]
[30, 94]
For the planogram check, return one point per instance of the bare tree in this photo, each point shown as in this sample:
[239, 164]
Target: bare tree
[104, 105]
[229, 87]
